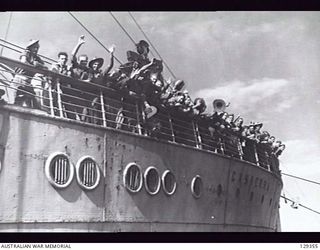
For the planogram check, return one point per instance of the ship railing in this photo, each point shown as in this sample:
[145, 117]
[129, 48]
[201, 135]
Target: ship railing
[97, 104]
[11, 47]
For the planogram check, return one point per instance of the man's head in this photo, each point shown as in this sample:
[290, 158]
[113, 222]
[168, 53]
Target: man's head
[272, 138]
[33, 46]
[96, 63]
[142, 47]
[251, 128]
[62, 58]
[239, 122]
[83, 60]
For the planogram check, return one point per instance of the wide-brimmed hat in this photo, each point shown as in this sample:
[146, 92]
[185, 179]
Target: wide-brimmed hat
[31, 43]
[99, 60]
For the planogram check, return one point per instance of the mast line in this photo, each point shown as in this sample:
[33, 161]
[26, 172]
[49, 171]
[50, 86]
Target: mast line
[93, 36]
[7, 31]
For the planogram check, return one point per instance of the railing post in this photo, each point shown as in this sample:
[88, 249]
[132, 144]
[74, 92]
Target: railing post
[171, 128]
[255, 153]
[138, 119]
[196, 134]
[50, 99]
[222, 143]
[59, 98]
[267, 160]
[240, 149]
[104, 122]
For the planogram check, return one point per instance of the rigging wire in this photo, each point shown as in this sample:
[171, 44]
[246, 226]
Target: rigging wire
[312, 210]
[7, 31]
[135, 21]
[124, 30]
[93, 36]
[300, 178]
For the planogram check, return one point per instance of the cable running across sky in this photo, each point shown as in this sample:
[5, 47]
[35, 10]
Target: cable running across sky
[140, 28]
[93, 36]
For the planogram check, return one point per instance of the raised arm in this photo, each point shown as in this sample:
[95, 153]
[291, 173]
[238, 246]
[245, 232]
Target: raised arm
[112, 49]
[77, 47]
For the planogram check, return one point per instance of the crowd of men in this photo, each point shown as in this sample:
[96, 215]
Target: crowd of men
[140, 77]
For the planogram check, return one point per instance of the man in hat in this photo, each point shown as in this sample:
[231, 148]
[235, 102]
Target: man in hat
[96, 75]
[143, 50]
[91, 113]
[22, 82]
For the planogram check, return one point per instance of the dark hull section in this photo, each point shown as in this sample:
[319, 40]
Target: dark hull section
[236, 195]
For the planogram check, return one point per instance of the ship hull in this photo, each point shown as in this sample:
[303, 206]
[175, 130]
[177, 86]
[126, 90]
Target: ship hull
[236, 195]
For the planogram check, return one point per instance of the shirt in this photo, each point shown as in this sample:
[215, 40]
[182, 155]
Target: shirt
[61, 69]
[31, 59]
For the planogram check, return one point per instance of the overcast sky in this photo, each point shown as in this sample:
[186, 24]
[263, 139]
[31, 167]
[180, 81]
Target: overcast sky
[266, 64]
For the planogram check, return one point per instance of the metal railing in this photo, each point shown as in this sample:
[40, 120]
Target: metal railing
[65, 97]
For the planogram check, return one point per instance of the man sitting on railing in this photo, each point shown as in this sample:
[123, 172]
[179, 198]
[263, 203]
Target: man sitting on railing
[143, 50]
[24, 91]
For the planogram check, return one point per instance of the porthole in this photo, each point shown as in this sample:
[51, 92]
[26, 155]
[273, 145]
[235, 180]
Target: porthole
[59, 170]
[132, 177]
[169, 183]
[152, 181]
[88, 173]
[196, 186]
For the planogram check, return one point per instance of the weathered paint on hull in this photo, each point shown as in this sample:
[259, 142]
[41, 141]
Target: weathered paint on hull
[29, 202]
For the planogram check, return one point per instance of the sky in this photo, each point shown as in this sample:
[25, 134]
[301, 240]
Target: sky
[266, 64]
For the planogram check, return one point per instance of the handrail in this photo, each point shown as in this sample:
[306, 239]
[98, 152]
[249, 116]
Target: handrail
[105, 112]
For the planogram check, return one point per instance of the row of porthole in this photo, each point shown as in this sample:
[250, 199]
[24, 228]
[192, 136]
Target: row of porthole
[133, 181]
[60, 171]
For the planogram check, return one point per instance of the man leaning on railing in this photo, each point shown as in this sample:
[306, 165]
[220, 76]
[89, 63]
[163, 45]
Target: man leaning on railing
[27, 86]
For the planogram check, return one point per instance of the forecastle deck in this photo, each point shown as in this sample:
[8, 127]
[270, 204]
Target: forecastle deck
[232, 195]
